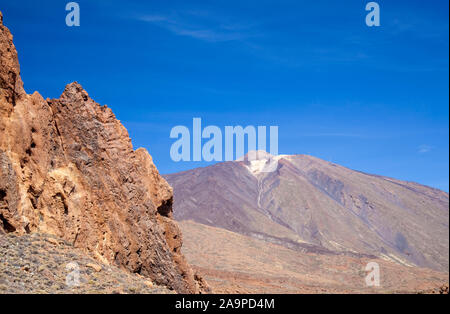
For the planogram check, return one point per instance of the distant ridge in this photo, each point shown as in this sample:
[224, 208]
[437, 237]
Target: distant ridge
[309, 204]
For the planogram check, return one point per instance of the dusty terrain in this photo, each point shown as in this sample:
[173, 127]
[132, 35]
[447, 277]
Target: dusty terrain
[233, 263]
[41, 263]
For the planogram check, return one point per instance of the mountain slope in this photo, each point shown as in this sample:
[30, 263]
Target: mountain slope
[234, 263]
[311, 205]
[42, 264]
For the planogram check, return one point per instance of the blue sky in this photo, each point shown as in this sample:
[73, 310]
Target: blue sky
[372, 99]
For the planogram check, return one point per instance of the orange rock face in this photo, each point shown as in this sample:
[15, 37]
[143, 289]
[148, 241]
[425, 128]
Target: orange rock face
[68, 168]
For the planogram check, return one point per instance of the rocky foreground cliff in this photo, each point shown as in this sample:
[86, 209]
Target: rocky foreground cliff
[68, 169]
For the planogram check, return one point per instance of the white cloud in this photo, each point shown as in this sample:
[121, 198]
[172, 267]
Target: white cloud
[422, 149]
[205, 27]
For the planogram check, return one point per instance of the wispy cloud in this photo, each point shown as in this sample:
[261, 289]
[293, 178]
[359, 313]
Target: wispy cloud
[422, 149]
[201, 25]
[337, 134]
[420, 28]
[299, 48]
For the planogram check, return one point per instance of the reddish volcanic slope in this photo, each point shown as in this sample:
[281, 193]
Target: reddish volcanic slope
[311, 206]
[234, 263]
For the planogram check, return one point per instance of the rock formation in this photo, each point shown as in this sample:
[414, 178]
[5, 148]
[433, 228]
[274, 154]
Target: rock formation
[68, 168]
